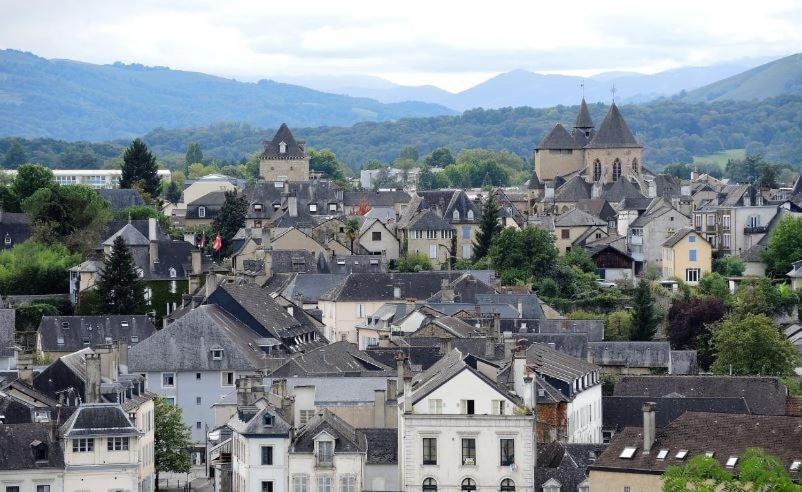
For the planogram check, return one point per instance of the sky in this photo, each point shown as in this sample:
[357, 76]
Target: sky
[450, 44]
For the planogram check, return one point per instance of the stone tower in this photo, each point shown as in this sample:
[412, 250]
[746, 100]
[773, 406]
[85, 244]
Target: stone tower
[613, 152]
[284, 158]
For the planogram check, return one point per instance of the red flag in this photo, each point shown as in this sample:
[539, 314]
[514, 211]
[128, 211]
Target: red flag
[202, 241]
[218, 242]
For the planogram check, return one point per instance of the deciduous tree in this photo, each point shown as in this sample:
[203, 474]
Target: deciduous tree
[752, 345]
[172, 439]
[785, 246]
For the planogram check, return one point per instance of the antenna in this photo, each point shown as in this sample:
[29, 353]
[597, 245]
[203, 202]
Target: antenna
[613, 91]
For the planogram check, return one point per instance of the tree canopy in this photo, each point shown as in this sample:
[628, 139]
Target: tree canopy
[139, 169]
[752, 345]
[326, 162]
[36, 268]
[120, 288]
[489, 227]
[785, 246]
[645, 316]
[230, 219]
[172, 439]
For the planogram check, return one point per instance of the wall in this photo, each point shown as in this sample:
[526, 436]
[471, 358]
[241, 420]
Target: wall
[341, 318]
[455, 390]
[657, 231]
[681, 259]
[381, 477]
[295, 240]
[344, 463]
[564, 245]
[422, 246]
[635, 482]
[608, 156]
[144, 421]
[102, 469]
[28, 479]
[350, 398]
[585, 416]
[249, 467]
[284, 169]
[388, 243]
[469, 241]
[203, 187]
[548, 165]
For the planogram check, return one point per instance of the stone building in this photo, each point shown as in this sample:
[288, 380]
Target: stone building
[284, 158]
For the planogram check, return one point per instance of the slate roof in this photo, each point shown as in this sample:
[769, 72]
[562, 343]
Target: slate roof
[186, 344]
[346, 438]
[380, 286]
[557, 138]
[293, 260]
[120, 198]
[635, 203]
[7, 332]
[249, 421]
[382, 446]
[417, 355]
[98, 419]
[593, 328]
[16, 450]
[724, 434]
[618, 190]
[383, 198]
[337, 359]
[322, 192]
[613, 133]
[583, 119]
[213, 201]
[597, 207]
[15, 227]
[77, 332]
[763, 395]
[627, 411]
[468, 289]
[573, 190]
[529, 304]
[630, 354]
[130, 235]
[565, 463]
[307, 287]
[294, 150]
[668, 186]
[549, 362]
[573, 344]
[680, 235]
[141, 225]
[428, 220]
[577, 218]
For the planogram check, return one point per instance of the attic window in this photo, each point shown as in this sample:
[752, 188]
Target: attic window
[276, 206]
[282, 148]
[332, 207]
[257, 207]
[8, 239]
[172, 272]
[470, 214]
[108, 340]
[681, 454]
[39, 451]
[313, 207]
[455, 215]
[124, 324]
[85, 340]
[662, 454]
[341, 262]
[217, 354]
[709, 454]
[795, 465]
[374, 261]
[267, 420]
[65, 324]
[60, 340]
[731, 461]
[202, 212]
[134, 338]
[628, 452]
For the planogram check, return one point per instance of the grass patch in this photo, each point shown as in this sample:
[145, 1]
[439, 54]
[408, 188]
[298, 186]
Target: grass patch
[720, 158]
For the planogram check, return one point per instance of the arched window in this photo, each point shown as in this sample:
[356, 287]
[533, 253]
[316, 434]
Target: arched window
[282, 148]
[596, 170]
[429, 485]
[507, 485]
[172, 272]
[468, 485]
[635, 165]
[470, 214]
[616, 169]
[455, 214]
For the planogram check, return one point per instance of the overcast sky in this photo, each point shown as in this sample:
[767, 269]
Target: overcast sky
[452, 44]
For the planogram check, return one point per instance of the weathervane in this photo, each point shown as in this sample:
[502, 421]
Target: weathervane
[612, 91]
[582, 85]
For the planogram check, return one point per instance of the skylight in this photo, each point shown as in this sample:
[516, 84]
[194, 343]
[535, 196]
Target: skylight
[628, 452]
[681, 454]
[662, 454]
[731, 461]
[709, 454]
[795, 465]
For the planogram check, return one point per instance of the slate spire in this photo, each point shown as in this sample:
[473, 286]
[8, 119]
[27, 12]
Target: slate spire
[613, 133]
[583, 119]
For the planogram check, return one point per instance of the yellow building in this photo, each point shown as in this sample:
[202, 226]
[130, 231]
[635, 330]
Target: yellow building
[687, 255]
[284, 158]
[432, 236]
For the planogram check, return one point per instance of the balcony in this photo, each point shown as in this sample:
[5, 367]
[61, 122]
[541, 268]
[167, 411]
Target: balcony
[711, 228]
[755, 230]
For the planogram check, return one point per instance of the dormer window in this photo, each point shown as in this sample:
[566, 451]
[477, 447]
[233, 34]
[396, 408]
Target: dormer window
[85, 341]
[470, 214]
[202, 212]
[140, 273]
[282, 148]
[39, 451]
[8, 240]
[325, 453]
[172, 272]
[267, 420]
[217, 354]
[134, 339]
[60, 340]
[257, 207]
[455, 215]
[313, 208]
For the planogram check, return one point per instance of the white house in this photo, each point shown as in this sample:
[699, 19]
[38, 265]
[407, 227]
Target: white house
[461, 430]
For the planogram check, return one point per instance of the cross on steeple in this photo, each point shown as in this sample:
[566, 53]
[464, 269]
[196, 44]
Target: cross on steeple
[613, 91]
[582, 85]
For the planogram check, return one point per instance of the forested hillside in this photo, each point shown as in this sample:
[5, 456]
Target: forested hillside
[671, 131]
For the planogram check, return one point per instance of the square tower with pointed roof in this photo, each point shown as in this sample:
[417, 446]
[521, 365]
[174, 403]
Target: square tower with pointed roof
[284, 158]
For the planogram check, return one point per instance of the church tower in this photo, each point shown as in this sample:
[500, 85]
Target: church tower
[613, 152]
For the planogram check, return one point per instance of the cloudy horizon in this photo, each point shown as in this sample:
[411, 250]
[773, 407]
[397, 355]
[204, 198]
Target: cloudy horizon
[447, 44]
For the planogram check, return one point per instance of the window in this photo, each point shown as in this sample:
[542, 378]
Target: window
[169, 400]
[201, 212]
[347, 483]
[172, 272]
[661, 455]
[681, 454]
[691, 274]
[754, 221]
[470, 214]
[134, 338]
[43, 488]
[198, 425]
[228, 378]
[616, 169]
[305, 416]
[376, 236]
[429, 451]
[726, 240]
[635, 165]
[257, 207]
[468, 451]
[435, 406]
[565, 233]
[467, 252]
[267, 486]
[267, 455]
[430, 485]
[596, 170]
[300, 483]
[325, 452]
[168, 379]
[725, 221]
[731, 462]
[691, 255]
[691, 238]
[217, 354]
[455, 215]
[197, 376]
[628, 452]
[59, 340]
[282, 148]
[795, 465]
[313, 208]
[498, 407]
[507, 451]
[197, 400]
[8, 239]
[468, 484]
[709, 454]
[466, 232]
[433, 251]
[468, 407]
[117, 444]
[40, 452]
[83, 445]
[324, 483]
[697, 221]
[507, 485]
[15, 488]
[332, 207]
[140, 273]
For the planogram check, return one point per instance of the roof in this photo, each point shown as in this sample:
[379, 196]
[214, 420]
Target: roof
[723, 434]
[294, 149]
[630, 354]
[627, 411]
[120, 198]
[619, 190]
[16, 447]
[250, 421]
[557, 138]
[98, 419]
[573, 190]
[346, 437]
[565, 463]
[15, 227]
[428, 220]
[381, 286]
[577, 218]
[337, 359]
[382, 446]
[383, 198]
[552, 363]
[613, 133]
[763, 395]
[309, 287]
[680, 235]
[583, 119]
[71, 333]
[130, 235]
[597, 207]
[186, 344]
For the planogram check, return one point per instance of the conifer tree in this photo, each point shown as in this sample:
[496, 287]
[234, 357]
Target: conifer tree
[194, 155]
[231, 218]
[644, 313]
[121, 291]
[140, 169]
[173, 194]
[488, 227]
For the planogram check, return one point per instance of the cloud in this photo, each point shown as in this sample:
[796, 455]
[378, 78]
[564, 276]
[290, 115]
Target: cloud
[444, 42]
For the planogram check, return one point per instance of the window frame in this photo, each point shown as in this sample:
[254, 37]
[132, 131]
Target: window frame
[83, 445]
[117, 443]
[224, 378]
[429, 446]
[506, 452]
[172, 378]
[468, 456]
[270, 455]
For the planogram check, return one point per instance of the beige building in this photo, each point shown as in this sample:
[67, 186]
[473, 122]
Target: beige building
[284, 158]
[295, 239]
[576, 226]
[686, 255]
[376, 238]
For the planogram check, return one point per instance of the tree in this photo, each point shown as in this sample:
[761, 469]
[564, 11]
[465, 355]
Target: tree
[785, 246]
[760, 296]
[173, 193]
[140, 168]
[143, 212]
[618, 326]
[691, 319]
[715, 285]
[172, 439]
[644, 313]
[352, 231]
[325, 161]
[15, 156]
[700, 473]
[489, 227]
[384, 179]
[193, 155]
[121, 290]
[524, 254]
[752, 345]
[729, 266]
[29, 179]
[426, 178]
[580, 258]
[36, 268]
[409, 152]
[230, 219]
[440, 157]
[413, 262]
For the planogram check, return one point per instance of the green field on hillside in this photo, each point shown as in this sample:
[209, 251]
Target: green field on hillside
[720, 158]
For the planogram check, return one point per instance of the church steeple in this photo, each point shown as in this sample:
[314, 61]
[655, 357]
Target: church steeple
[583, 120]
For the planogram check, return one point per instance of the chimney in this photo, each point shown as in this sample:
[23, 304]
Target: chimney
[196, 262]
[92, 383]
[122, 355]
[25, 368]
[509, 343]
[186, 300]
[211, 283]
[379, 408]
[496, 324]
[407, 393]
[400, 362]
[279, 387]
[153, 242]
[446, 290]
[292, 205]
[649, 425]
[384, 340]
[392, 389]
[196, 301]
[520, 307]
[446, 345]
[244, 391]
[490, 347]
